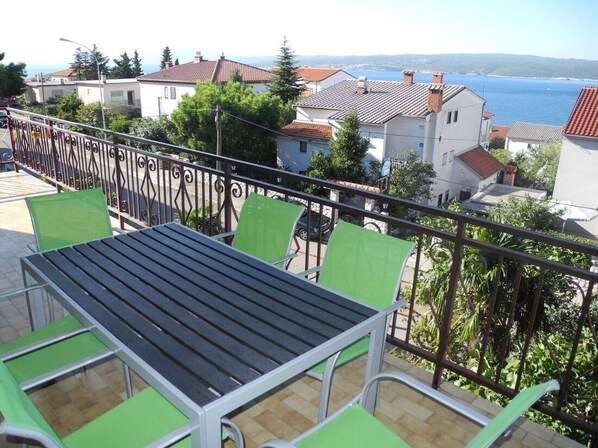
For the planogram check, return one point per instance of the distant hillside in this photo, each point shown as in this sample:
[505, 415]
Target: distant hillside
[481, 64]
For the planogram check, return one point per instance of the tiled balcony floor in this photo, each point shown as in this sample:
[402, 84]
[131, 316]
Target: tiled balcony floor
[69, 403]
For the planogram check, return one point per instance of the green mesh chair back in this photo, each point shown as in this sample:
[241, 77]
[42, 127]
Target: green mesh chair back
[69, 218]
[266, 227]
[364, 264]
[21, 417]
[505, 418]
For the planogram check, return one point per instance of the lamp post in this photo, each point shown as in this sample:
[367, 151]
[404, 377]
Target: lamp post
[99, 78]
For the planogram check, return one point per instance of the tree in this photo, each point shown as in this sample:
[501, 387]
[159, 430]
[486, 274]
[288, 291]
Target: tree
[136, 62]
[285, 78]
[542, 165]
[347, 150]
[12, 79]
[411, 178]
[158, 130]
[80, 63]
[235, 76]
[166, 58]
[122, 67]
[86, 63]
[247, 121]
[90, 114]
[176, 61]
[68, 107]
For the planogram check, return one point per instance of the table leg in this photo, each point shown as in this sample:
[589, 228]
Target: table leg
[35, 302]
[374, 364]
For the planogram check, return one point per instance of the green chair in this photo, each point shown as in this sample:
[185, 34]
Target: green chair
[63, 345]
[354, 427]
[143, 419]
[265, 229]
[367, 266]
[69, 218]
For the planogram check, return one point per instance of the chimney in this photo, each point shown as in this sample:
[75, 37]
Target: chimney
[437, 77]
[222, 56]
[509, 176]
[198, 57]
[408, 76]
[362, 85]
[168, 64]
[435, 98]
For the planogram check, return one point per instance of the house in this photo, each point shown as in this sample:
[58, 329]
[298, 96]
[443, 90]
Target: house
[116, 92]
[475, 169]
[39, 91]
[498, 132]
[317, 79]
[66, 75]
[485, 129]
[577, 176]
[161, 91]
[524, 136]
[439, 121]
[494, 194]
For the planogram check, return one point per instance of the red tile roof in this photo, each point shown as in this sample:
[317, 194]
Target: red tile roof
[356, 185]
[487, 115]
[498, 131]
[316, 74]
[481, 162]
[308, 130]
[200, 71]
[583, 120]
[67, 73]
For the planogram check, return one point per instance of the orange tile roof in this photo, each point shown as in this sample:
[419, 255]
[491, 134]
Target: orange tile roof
[67, 73]
[487, 115]
[481, 162]
[308, 130]
[200, 71]
[583, 120]
[498, 131]
[316, 74]
[356, 185]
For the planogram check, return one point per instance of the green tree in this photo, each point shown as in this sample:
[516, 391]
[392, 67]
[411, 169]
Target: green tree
[235, 76]
[80, 63]
[347, 150]
[158, 130]
[247, 121]
[86, 63]
[136, 62]
[542, 165]
[285, 79]
[90, 114]
[176, 61]
[122, 67]
[411, 178]
[12, 79]
[497, 143]
[166, 58]
[67, 107]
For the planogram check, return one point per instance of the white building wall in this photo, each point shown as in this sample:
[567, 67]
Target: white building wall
[50, 90]
[464, 179]
[115, 92]
[515, 146]
[317, 86]
[290, 156]
[315, 115]
[405, 134]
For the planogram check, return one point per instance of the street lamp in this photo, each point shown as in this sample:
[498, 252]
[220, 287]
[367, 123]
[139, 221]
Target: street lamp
[99, 77]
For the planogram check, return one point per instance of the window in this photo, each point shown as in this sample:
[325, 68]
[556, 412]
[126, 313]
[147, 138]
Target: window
[173, 93]
[303, 172]
[166, 92]
[455, 116]
[117, 96]
[57, 92]
[446, 196]
[439, 200]
[451, 156]
[444, 158]
[448, 117]
[302, 146]
[130, 97]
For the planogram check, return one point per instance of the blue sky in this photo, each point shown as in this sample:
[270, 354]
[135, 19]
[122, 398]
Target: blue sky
[338, 27]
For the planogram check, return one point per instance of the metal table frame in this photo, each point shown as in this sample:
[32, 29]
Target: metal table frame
[205, 420]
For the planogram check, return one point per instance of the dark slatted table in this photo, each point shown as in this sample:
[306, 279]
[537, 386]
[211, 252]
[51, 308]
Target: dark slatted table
[210, 327]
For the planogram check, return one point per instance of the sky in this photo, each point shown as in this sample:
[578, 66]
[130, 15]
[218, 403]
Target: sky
[241, 29]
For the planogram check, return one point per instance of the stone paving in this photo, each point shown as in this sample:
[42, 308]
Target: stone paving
[71, 402]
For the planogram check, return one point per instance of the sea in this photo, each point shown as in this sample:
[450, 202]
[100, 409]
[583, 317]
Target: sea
[544, 101]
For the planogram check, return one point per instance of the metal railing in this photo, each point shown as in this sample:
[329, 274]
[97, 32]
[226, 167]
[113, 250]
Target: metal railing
[503, 304]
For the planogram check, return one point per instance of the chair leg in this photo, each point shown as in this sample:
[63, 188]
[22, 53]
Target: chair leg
[128, 382]
[326, 386]
[234, 432]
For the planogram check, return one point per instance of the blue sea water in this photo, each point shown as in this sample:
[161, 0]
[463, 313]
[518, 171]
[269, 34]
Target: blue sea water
[546, 101]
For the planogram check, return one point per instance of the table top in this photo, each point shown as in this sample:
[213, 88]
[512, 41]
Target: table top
[208, 318]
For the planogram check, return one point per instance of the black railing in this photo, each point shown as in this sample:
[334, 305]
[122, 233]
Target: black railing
[505, 305]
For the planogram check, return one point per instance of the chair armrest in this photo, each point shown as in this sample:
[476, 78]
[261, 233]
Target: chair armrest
[395, 306]
[18, 292]
[33, 247]
[285, 258]
[428, 391]
[277, 443]
[223, 235]
[309, 271]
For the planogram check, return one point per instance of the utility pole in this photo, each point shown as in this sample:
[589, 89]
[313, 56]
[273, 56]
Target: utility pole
[218, 134]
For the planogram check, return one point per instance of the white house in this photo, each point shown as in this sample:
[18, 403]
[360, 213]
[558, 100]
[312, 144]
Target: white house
[40, 92]
[116, 92]
[576, 184]
[523, 136]
[66, 75]
[317, 79]
[161, 91]
[439, 121]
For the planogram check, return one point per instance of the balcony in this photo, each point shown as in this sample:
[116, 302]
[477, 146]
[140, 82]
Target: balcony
[145, 188]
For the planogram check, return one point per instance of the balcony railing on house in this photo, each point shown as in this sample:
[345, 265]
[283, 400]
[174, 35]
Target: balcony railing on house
[479, 295]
